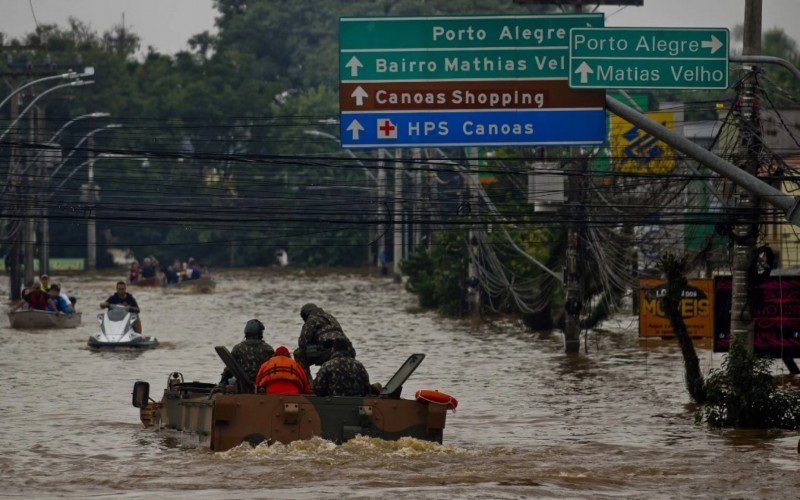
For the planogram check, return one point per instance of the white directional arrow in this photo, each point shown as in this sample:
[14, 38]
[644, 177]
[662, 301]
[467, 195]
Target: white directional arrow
[714, 44]
[359, 95]
[355, 128]
[584, 71]
[354, 64]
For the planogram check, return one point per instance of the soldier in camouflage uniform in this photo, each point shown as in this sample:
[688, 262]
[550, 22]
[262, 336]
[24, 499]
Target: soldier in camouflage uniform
[317, 327]
[251, 352]
[341, 375]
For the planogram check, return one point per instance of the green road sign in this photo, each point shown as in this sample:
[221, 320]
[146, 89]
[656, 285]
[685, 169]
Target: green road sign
[635, 58]
[442, 32]
[457, 48]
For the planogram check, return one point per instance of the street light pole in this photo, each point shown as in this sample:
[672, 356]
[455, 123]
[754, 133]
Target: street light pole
[83, 139]
[71, 75]
[78, 83]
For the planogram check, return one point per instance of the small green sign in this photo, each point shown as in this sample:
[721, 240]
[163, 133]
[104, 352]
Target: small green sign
[635, 58]
[457, 48]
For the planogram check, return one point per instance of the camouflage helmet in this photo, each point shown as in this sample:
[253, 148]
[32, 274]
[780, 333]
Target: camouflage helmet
[306, 310]
[254, 328]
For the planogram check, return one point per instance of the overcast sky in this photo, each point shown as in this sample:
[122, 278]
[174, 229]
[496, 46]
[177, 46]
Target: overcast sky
[167, 24]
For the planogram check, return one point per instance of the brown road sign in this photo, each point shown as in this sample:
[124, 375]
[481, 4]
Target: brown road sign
[465, 95]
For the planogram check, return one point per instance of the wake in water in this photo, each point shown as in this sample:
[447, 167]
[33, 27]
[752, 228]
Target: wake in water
[361, 446]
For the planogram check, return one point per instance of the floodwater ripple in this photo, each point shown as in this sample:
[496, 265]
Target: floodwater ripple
[531, 422]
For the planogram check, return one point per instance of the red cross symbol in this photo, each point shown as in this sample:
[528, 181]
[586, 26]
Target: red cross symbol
[386, 129]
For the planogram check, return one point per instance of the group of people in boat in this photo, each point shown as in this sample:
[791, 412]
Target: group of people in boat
[322, 342]
[169, 275]
[45, 296]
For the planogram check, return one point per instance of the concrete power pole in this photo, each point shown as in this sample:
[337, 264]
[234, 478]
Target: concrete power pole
[573, 280]
[397, 254]
[382, 225]
[416, 213]
[29, 235]
[745, 232]
[44, 186]
[15, 229]
[91, 195]
[474, 294]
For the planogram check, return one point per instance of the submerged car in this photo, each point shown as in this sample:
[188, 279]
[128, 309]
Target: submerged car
[223, 420]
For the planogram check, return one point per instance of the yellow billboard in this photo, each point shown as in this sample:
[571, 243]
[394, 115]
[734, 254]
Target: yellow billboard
[635, 151]
[697, 308]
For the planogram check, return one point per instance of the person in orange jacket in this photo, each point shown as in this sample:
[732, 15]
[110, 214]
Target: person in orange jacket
[280, 374]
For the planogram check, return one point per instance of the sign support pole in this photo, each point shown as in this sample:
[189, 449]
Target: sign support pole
[398, 214]
[745, 232]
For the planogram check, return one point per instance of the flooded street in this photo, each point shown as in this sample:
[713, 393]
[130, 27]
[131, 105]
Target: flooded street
[531, 421]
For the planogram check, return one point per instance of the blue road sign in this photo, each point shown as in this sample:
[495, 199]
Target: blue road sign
[403, 82]
[472, 128]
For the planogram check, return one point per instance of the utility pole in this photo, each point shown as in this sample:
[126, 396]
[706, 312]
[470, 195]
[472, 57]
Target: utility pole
[416, 212]
[473, 289]
[90, 195]
[44, 185]
[382, 225]
[16, 188]
[745, 232]
[398, 213]
[574, 263]
[29, 234]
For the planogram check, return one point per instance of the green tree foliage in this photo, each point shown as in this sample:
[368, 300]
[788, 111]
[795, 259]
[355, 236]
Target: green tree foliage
[743, 394]
[438, 277]
[776, 42]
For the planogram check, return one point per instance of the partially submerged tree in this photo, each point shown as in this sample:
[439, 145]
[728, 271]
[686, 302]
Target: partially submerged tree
[742, 392]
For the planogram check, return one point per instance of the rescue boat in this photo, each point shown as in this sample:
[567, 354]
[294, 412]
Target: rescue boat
[34, 319]
[223, 420]
[204, 284]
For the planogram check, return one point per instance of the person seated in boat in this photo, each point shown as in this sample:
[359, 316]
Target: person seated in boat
[59, 305]
[122, 297]
[316, 325]
[44, 283]
[250, 353]
[149, 268]
[172, 272]
[24, 301]
[341, 375]
[33, 299]
[193, 270]
[280, 374]
[44, 286]
[134, 273]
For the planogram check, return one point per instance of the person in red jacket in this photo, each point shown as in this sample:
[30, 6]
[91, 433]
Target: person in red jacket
[280, 374]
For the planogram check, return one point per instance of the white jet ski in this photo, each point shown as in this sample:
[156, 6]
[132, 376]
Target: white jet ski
[116, 330]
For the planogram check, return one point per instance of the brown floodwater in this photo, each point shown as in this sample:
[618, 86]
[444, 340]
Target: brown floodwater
[531, 421]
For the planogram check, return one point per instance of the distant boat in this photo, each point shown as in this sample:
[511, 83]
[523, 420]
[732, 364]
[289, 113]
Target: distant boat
[36, 319]
[147, 282]
[204, 284]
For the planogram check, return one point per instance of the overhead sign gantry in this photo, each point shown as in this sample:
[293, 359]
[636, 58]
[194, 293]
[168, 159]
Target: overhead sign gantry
[460, 81]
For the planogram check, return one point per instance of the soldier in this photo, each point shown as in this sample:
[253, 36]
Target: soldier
[251, 352]
[341, 375]
[317, 326]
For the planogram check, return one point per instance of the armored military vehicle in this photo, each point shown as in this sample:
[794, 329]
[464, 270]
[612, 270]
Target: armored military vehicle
[222, 420]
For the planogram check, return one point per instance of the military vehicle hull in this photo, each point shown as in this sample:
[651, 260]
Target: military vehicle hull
[223, 421]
